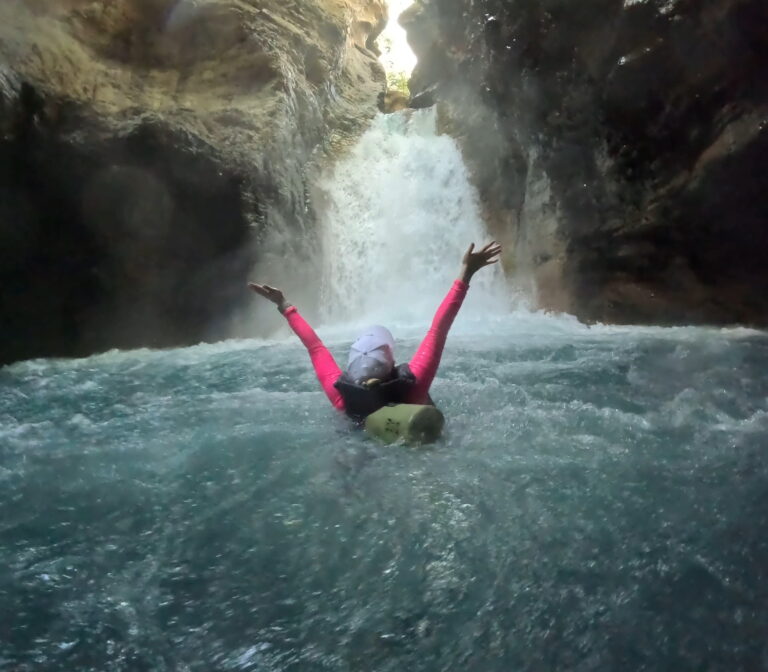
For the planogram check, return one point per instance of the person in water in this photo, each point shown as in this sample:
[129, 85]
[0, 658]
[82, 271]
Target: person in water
[372, 379]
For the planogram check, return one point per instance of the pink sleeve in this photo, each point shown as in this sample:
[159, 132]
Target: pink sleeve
[326, 369]
[427, 358]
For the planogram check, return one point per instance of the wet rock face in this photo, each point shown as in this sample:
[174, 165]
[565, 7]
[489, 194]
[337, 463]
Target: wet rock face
[152, 150]
[619, 146]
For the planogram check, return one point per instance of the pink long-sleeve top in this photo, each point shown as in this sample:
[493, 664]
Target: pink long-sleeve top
[423, 364]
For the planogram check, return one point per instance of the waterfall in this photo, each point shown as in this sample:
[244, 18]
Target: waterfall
[399, 212]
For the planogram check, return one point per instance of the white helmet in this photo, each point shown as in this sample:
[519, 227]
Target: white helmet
[372, 355]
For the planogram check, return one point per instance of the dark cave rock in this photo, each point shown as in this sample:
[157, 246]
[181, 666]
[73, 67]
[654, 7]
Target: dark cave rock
[626, 160]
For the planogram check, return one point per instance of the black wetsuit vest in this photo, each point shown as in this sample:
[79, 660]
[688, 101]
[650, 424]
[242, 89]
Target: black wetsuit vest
[360, 401]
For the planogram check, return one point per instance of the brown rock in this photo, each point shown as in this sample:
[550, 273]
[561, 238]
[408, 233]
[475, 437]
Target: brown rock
[152, 150]
[394, 101]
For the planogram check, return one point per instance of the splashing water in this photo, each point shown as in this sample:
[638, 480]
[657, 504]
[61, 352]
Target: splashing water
[400, 213]
[598, 501]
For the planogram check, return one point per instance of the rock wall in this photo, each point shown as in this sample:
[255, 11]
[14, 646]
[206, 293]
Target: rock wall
[152, 150]
[619, 146]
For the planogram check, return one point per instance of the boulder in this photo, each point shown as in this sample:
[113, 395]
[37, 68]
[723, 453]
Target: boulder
[393, 101]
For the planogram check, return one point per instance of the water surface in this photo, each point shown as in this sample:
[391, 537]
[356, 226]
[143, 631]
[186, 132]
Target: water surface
[599, 502]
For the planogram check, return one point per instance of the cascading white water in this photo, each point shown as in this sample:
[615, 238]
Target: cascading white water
[400, 214]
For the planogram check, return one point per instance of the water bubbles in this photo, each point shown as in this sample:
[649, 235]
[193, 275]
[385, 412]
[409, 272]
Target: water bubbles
[251, 654]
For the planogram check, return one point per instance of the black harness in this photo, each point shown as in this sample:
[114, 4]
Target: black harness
[360, 400]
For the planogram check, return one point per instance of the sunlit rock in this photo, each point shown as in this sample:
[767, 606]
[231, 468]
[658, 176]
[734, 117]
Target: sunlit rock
[394, 101]
[151, 150]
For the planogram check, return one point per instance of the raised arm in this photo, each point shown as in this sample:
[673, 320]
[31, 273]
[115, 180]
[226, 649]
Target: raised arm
[426, 361]
[326, 369]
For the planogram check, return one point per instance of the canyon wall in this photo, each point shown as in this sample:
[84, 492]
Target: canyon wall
[152, 150]
[619, 147]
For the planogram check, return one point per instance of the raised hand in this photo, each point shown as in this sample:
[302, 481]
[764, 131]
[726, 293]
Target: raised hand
[271, 294]
[474, 261]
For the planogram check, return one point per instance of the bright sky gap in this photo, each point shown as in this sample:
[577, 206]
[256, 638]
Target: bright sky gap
[399, 58]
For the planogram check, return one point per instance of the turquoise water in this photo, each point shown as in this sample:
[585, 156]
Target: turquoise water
[599, 502]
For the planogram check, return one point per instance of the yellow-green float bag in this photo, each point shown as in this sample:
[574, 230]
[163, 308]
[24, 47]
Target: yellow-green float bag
[411, 423]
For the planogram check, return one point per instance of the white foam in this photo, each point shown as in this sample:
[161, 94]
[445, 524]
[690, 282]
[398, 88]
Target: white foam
[400, 214]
